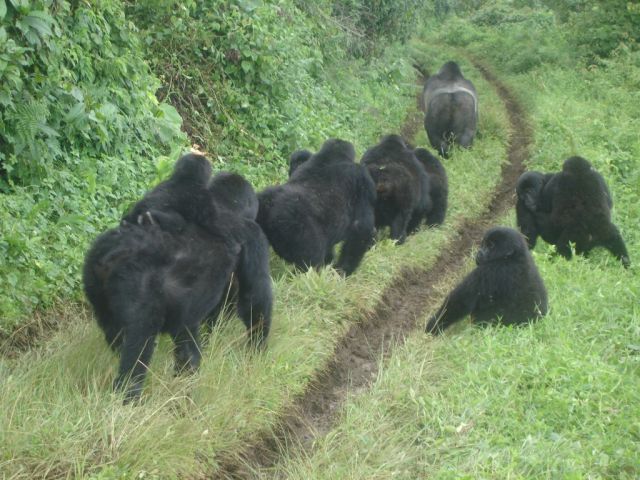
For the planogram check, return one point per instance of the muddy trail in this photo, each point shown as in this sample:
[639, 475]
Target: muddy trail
[356, 359]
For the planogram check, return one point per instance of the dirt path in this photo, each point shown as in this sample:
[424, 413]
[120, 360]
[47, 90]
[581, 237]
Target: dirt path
[355, 362]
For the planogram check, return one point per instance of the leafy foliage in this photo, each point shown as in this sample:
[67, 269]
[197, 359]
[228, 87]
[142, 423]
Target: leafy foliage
[79, 130]
[262, 78]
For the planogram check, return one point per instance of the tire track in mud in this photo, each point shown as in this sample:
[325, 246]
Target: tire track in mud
[356, 359]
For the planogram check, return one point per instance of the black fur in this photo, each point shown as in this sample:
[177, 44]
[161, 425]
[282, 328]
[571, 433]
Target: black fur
[402, 186]
[233, 192]
[451, 109]
[438, 186]
[328, 200]
[573, 205]
[143, 279]
[181, 199]
[505, 284]
[298, 158]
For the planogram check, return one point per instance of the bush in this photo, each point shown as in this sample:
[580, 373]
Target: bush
[80, 129]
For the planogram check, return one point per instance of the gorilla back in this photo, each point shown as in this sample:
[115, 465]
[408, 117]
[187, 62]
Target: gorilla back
[451, 109]
[143, 280]
[327, 200]
[505, 284]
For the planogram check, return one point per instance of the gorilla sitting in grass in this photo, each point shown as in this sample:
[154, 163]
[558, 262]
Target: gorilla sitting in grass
[504, 286]
[143, 279]
[572, 206]
[328, 199]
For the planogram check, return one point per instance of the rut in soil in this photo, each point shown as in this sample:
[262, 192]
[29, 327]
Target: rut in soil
[356, 359]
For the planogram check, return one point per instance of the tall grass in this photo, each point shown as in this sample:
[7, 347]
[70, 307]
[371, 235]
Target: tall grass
[62, 420]
[556, 399]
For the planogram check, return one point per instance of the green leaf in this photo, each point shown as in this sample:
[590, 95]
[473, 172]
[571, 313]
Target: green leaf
[3, 8]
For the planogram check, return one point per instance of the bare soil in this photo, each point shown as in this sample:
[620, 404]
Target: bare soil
[359, 353]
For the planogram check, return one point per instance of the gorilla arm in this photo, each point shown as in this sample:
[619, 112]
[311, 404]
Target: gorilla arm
[459, 303]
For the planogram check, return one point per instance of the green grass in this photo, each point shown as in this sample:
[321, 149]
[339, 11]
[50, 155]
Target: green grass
[559, 399]
[62, 419]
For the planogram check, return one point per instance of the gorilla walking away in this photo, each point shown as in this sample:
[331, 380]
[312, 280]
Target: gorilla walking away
[573, 205]
[505, 285]
[143, 279]
[402, 186]
[327, 200]
[451, 109]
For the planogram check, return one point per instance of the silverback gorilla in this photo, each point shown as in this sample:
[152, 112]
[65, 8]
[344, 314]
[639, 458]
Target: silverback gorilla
[573, 205]
[451, 109]
[438, 186]
[505, 285]
[327, 200]
[143, 279]
[402, 186]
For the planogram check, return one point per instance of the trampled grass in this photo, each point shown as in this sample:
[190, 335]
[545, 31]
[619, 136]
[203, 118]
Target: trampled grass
[61, 419]
[556, 399]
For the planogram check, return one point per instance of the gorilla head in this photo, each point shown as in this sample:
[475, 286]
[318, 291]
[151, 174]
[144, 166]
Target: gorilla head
[450, 71]
[233, 192]
[529, 189]
[297, 158]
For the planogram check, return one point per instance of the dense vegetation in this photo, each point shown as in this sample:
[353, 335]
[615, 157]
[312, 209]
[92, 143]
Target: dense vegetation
[82, 134]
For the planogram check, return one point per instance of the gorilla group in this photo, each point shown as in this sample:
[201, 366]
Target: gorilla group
[168, 264]
[328, 199]
[505, 285]
[411, 186]
[451, 109]
[573, 205]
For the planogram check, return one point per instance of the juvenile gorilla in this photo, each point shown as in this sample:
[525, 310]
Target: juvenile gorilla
[298, 158]
[438, 186]
[451, 109]
[327, 200]
[233, 192]
[182, 198]
[571, 206]
[143, 279]
[505, 284]
[402, 186]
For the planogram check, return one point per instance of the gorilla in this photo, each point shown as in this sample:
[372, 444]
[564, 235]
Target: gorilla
[451, 109]
[573, 205]
[402, 186]
[143, 279]
[297, 158]
[328, 200]
[233, 192]
[505, 285]
[533, 216]
[180, 199]
[438, 186]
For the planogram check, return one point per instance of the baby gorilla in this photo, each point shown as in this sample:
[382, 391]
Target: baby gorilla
[402, 186]
[180, 199]
[438, 186]
[233, 192]
[505, 285]
[571, 206]
[143, 279]
[298, 158]
[451, 109]
[327, 200]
